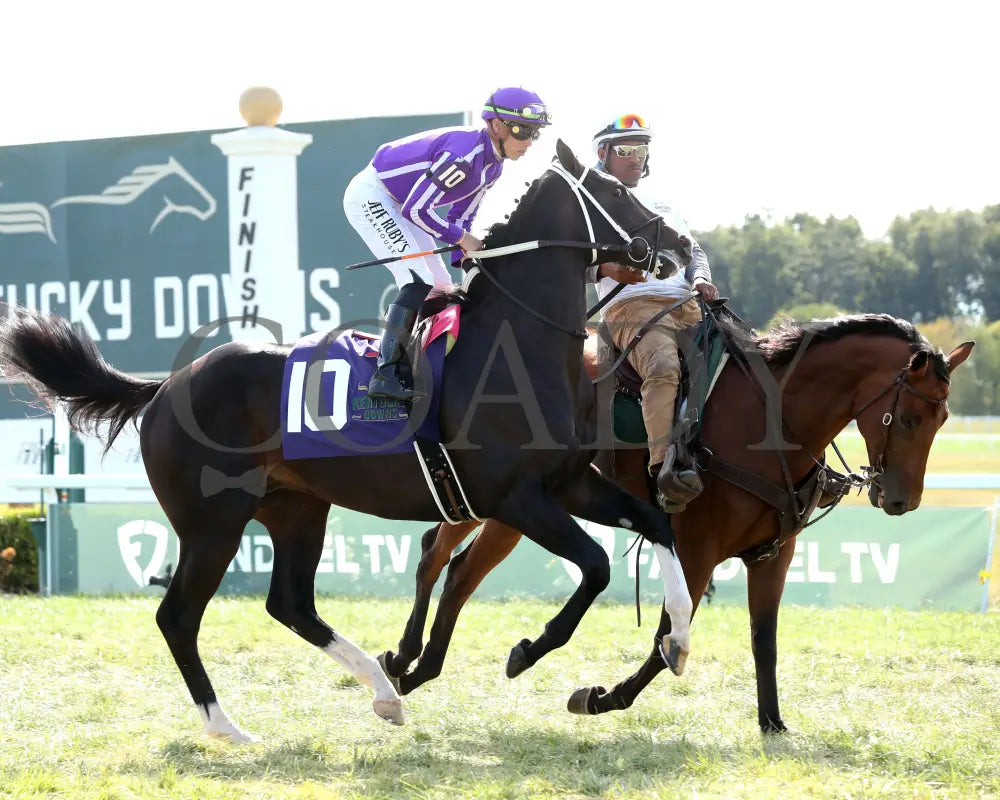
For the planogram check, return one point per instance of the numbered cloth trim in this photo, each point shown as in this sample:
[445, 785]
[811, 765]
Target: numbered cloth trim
[325, 407]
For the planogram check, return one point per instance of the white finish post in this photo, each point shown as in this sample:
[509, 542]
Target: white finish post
[265, 283]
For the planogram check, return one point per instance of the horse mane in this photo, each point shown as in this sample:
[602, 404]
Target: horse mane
[779, 345]
[499, 234]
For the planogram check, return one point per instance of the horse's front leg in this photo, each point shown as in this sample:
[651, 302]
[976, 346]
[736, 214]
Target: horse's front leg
[597, 499]
[698, 566]
[436, 547]
[765, 584]
[465, 572]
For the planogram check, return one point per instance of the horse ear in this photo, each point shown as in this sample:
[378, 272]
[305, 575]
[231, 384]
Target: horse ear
[919, 362]
[957, 356]
[567, 159]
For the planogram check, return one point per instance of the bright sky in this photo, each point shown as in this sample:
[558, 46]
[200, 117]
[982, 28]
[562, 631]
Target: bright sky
[871, 108]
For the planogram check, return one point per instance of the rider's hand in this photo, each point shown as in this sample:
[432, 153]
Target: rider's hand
[708, 291]
[469, 243]
[621, 273]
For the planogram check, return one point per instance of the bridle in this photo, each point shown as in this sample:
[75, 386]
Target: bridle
[874, 472]
[635, 247]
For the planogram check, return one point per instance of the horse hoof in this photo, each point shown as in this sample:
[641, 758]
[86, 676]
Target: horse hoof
[770, 727]
[235, 736]
[577, 703]
[517, 661]
[391, 710]
[674, 657]
[383, 661]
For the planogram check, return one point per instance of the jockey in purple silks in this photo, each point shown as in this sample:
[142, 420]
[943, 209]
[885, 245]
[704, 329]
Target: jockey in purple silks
[391, 203]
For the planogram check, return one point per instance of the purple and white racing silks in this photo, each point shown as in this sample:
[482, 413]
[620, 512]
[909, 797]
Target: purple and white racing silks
[447, 166]
[391, 202]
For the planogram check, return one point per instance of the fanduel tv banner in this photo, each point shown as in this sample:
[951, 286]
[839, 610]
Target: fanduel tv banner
[856, 556]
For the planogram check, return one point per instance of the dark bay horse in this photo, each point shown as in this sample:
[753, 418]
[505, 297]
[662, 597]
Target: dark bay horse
[873, 368]
[527, 467]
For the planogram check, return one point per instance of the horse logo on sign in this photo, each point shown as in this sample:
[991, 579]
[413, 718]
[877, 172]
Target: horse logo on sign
[196, 199]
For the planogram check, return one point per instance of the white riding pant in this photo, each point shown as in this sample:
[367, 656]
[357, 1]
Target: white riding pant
[380, 221]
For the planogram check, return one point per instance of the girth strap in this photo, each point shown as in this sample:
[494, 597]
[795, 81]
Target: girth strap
[772, 494]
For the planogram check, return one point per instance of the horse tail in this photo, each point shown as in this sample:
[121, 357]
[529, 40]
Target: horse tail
[60, 364]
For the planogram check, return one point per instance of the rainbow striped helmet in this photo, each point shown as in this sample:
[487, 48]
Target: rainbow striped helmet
[627, 126]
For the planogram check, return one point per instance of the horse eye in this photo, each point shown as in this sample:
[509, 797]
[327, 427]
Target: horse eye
[909, 422]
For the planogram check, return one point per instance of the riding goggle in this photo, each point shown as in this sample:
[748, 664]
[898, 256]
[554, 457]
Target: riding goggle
[533, 112]
[640, 151]
[629, 122]
[522, 132]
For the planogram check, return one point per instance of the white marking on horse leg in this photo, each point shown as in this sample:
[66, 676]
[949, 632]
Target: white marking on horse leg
[676, 602]
[387, 703]
[219, 726]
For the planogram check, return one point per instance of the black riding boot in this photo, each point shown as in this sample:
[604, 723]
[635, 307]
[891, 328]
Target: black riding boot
[399, 321]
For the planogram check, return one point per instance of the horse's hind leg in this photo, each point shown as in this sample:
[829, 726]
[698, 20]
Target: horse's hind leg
[436, 545]
[297, 524]
[466, 571]
[206, 549]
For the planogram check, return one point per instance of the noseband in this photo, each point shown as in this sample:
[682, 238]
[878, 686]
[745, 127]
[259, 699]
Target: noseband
[877, 470]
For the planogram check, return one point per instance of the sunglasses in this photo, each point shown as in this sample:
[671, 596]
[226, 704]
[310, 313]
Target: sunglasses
[522, 132]
[640, 151]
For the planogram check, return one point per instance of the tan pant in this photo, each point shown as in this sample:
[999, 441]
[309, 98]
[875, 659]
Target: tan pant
[655, 358]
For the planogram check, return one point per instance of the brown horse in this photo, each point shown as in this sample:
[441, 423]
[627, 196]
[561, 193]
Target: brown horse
[873, 368]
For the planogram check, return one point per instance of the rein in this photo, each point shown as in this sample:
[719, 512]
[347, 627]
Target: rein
[853, 479]
[647, 326]
[636, 247]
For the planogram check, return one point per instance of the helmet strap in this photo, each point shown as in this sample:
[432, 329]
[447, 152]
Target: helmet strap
[499, 141]
[492, 103]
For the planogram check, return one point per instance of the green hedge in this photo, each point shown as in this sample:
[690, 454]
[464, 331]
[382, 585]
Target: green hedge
[15, 531]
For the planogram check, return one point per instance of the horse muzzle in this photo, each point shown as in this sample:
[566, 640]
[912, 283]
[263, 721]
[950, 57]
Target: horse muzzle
[888, 502]
[876, 494]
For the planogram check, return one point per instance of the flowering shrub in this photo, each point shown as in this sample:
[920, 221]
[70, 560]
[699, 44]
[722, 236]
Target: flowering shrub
[18, 555]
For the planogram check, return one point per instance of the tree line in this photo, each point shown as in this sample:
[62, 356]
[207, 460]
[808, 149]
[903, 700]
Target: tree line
[937, 269]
